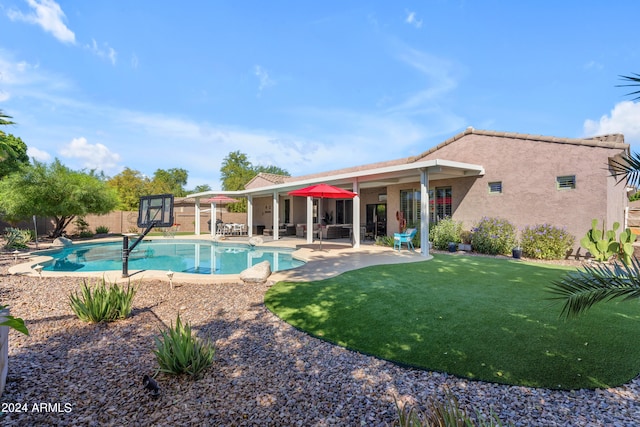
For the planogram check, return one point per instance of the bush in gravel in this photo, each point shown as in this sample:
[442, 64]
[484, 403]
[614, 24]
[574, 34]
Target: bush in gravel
[545, 242]
[16, 238]
[494, 236]
[443, 414]
[102, 304]
[178, 351]
[102, 229]
[445, 231]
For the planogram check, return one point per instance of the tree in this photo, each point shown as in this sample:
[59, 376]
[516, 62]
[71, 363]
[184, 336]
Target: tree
[237, 171]
[54, 191]
[633, 81]
[13, 152]
[4, 119]
[129, 185]
[201, 188]
[170, 181]
[591, 285]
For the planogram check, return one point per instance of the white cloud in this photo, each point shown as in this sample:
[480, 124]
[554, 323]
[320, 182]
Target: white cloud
[439, 77]
[105, 51]
[4, 96]
[39, 155]
[263, 78]
[93, 156]
[413, 20]
[48, 15]
[593, 65]
[622, 119]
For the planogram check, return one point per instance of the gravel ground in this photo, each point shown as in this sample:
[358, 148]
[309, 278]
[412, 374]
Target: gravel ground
[265, 372]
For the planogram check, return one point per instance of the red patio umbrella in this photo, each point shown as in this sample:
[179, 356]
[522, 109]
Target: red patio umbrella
[322, 191]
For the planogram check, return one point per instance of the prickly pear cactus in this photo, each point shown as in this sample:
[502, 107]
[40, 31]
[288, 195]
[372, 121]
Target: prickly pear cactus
[625, 252]
[602, 244]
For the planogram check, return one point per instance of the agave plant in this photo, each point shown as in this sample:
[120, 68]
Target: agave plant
[599, 282]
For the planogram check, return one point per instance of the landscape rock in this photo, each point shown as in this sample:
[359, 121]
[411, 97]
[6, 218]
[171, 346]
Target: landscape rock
[62, 241]
[255, 241]
[259, 273]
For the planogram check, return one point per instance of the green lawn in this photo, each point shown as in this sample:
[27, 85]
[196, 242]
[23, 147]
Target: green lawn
[475, 317]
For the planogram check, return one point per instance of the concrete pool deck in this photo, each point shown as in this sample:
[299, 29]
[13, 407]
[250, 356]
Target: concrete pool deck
[335, 257]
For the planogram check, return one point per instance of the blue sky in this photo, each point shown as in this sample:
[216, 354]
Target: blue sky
[307, 86]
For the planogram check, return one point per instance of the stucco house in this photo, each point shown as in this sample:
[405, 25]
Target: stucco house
[527, 179]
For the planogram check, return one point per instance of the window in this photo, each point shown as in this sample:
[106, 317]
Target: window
[410, 206]
[344, 211]
[566, 182]
[442, 203]
[439, 205]
[495, 187]
[287, 211]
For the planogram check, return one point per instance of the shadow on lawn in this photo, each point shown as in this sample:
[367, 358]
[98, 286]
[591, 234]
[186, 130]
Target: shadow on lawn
[478, 318]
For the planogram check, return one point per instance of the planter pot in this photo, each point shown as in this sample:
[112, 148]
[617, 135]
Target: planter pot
[4, 351]
[453, 247]
[516, 253]
[464, 247]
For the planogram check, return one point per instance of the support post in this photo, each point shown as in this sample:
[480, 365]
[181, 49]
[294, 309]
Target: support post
[424, 212]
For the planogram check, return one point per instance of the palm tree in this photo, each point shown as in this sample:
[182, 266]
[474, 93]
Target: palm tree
[582, 289]
[633, 81]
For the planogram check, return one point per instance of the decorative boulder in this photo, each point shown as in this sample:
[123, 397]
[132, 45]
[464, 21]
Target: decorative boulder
[259, 273]
[255, 241]
[62, 241]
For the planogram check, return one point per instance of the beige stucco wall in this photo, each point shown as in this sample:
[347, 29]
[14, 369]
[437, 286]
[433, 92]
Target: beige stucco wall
[528, 171]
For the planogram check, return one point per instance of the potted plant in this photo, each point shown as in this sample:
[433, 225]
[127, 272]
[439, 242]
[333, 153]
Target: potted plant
[453, 246]
[7, 321]
[516, 252]
[465, 236]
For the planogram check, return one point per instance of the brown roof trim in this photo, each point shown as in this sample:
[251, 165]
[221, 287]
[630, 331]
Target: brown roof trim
[273, 178]
[614, 141]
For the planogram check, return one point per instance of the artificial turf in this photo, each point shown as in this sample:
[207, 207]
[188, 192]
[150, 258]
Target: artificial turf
[474, 317]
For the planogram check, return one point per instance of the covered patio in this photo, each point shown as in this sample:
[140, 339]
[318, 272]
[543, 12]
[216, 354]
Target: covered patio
[270, 205]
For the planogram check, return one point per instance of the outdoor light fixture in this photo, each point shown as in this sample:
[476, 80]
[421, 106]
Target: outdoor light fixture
[38, 268]
[170, 276]
[15, 255]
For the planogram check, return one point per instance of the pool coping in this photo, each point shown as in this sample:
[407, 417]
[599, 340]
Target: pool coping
[329, 260]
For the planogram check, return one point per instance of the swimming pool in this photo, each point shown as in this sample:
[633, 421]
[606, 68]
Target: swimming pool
[186, 256]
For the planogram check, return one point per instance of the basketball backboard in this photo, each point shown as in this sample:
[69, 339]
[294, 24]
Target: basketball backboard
[156, 210]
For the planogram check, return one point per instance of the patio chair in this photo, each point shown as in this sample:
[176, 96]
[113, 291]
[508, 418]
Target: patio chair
[406, 237]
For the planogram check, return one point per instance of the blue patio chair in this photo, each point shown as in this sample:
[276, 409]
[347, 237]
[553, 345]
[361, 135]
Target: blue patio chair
[406, 237]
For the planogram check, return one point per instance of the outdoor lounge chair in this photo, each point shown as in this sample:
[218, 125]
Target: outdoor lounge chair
[406, 237]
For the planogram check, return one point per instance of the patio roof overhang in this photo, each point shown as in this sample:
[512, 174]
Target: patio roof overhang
[367, 178]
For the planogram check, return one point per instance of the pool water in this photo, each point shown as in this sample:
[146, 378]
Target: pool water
[186, 256]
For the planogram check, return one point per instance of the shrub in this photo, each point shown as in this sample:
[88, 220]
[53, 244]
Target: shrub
[545, 242]
[384, 241]
[102, 304]
[494, 236]
[445, 231]
[86, 233]
[16, 238]
[102, 229]
[178, 351]
[444, 414]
